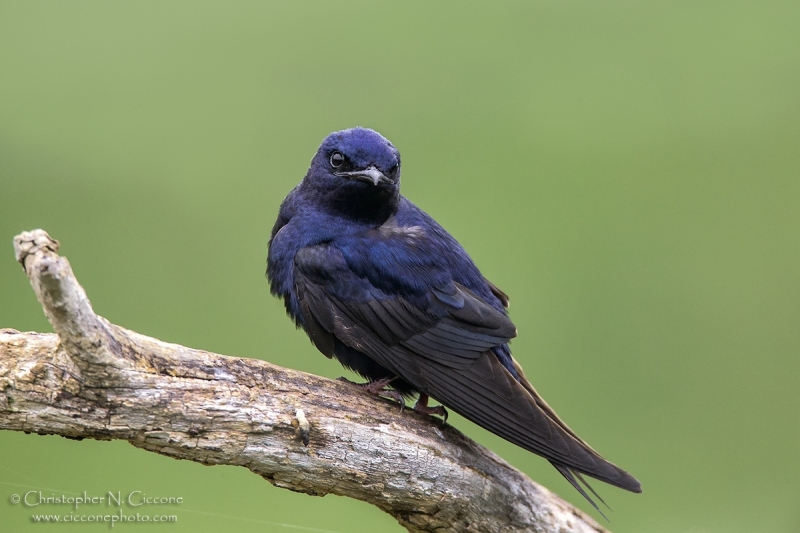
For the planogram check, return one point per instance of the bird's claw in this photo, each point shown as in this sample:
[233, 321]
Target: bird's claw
[394, 395]
[378, 388]
[422, 407]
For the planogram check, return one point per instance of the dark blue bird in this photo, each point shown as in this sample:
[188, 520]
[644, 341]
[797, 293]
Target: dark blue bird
[380, 286]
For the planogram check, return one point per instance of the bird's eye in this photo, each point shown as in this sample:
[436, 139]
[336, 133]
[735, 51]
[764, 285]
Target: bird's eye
[337, 159]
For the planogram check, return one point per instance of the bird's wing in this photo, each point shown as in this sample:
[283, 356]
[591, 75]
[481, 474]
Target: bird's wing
[441, 342]
[447, 324]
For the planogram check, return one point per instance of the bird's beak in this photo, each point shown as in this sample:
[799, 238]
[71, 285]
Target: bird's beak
[369, 175]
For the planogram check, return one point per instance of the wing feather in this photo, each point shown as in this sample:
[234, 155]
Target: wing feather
[442, 343]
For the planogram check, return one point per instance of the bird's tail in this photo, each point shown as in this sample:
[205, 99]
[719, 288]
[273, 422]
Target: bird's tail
[572, 475]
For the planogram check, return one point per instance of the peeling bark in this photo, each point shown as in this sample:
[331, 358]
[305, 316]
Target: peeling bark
[92, 379]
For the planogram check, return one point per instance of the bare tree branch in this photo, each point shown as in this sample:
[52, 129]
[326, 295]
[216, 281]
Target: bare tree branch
[93, 379]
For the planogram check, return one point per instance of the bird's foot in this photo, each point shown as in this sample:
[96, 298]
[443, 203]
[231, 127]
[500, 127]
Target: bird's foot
[422, 407]
[378, 388]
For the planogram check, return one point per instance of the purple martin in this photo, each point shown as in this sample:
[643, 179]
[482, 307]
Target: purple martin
[379, 285]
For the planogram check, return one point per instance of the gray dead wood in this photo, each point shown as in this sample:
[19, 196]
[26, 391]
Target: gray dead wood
[92, 379]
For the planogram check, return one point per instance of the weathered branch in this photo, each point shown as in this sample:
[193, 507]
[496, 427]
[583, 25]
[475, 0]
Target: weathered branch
[93, 379]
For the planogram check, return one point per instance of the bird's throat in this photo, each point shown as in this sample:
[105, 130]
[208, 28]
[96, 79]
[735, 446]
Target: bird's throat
[365, 204]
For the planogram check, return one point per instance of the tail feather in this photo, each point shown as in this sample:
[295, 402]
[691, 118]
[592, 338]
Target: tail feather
[626, 482]
[586, 483]
[570, 476]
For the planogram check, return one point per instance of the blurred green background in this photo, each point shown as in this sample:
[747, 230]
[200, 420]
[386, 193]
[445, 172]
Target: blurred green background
[626, 171]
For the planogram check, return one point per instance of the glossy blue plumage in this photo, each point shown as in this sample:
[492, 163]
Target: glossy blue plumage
[383, 288]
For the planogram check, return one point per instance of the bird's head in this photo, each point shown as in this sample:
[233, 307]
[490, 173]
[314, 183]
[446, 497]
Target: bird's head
[356, 172]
